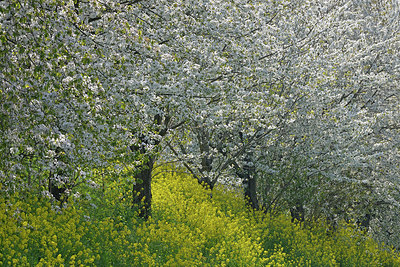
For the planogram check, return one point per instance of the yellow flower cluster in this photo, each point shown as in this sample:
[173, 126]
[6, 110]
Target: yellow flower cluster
[39, 235]
[190, 226]
[317, 246]
[218, 230]
[32, 233]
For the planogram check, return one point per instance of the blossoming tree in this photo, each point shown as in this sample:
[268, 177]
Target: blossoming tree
[298, 99]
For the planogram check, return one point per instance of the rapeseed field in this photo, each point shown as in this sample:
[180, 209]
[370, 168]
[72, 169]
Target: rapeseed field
[190, 226]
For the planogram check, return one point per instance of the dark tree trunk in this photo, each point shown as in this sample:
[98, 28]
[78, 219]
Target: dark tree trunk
[250, 193]
[297, 213]
[248, 174]
[332, 224]
[206, 167]
[55, 191]
[364, 222]
[59, 192]
[142, 189]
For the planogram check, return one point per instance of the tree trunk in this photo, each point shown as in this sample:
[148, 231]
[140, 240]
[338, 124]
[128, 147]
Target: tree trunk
[250, 192]
[142, 189]
[364, 222]
[55, 191]
[297, 213]
[248, 174]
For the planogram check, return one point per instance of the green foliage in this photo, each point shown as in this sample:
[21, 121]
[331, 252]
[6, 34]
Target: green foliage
[190, 226]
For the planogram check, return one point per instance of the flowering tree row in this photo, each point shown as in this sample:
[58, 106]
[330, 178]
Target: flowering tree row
[296, 100]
